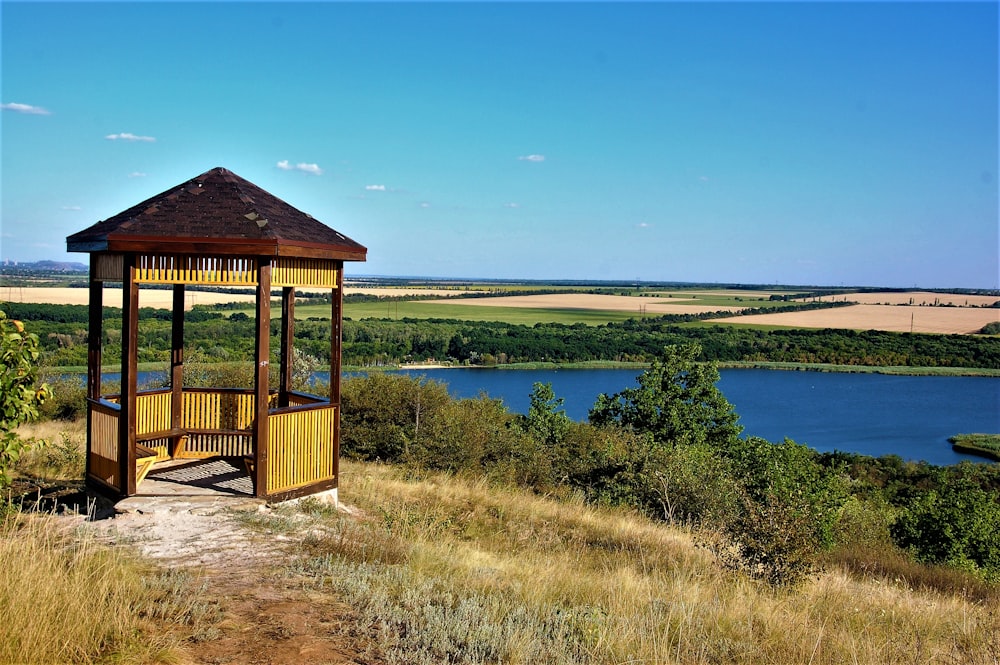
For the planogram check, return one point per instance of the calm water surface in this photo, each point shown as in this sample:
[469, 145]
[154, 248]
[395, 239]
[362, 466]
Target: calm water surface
[871, 414]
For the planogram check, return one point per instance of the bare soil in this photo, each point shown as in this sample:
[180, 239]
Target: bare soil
[893, 318]
[265, 618]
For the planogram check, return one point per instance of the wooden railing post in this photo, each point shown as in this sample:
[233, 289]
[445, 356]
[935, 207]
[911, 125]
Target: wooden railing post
[130, 339]
[287, 343]
[177, 364]
[262, 357]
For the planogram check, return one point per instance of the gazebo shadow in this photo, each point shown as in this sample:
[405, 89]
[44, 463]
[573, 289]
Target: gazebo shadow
[216, 476]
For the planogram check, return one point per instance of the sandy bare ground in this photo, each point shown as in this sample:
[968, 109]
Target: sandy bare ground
[917, 298]
[893, 318]
[596, 302]
[159, 298]
[265, 619]
[163, 298]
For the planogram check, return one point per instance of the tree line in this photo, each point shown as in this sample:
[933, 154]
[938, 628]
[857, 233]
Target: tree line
[62, 330]
[672, 448]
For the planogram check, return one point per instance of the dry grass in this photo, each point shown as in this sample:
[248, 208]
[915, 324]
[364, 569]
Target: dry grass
[893, 318]
[159, 298]
[446, 570]
[66, 599]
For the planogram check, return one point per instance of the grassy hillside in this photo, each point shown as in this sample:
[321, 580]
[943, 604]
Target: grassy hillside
[444, 569]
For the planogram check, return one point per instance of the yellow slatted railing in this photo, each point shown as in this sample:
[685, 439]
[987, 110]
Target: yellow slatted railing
[152, 412]
[304, 272]
[300, 448]
[104, 444]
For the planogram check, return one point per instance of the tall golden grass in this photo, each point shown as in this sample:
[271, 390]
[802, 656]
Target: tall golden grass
[449, 570]
[66, 599]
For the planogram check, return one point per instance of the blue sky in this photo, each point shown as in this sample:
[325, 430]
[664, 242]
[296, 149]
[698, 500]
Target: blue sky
[793, 143]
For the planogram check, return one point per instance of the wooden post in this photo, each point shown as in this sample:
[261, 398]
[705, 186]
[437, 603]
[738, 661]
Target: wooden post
[262, 357]
[336, 338]
[177, 365]
[130, 341]
[95, 333]
[287, 343]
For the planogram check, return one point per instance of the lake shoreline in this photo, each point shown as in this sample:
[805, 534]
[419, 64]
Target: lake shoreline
[609, 364]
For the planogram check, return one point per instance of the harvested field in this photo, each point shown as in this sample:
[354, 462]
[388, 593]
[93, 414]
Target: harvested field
[893, 318]
[592, 301]
[159, 298]
[916, 298]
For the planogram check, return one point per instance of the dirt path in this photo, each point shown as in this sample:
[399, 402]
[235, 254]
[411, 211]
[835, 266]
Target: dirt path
[264, 618]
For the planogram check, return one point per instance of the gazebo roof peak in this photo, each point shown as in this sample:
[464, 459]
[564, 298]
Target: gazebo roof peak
[217, 212]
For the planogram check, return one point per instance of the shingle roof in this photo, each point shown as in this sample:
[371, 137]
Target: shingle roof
[217, 212]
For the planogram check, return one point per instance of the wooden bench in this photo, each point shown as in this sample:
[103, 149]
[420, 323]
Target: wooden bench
[144, 459]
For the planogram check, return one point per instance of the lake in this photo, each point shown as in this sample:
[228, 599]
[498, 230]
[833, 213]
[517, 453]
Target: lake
[871, 414]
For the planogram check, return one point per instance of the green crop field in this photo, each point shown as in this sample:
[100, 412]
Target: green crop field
[429, 309]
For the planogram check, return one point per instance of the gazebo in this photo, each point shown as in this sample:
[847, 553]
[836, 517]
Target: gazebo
[221, 230]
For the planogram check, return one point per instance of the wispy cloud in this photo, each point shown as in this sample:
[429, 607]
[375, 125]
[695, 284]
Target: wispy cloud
[126, 136]
[27, 109]
[512, 204]
[532, 158]
[137, 174]
[375, 188]
[425, 204]
[72, 208]
[644, 225]
[313, 169]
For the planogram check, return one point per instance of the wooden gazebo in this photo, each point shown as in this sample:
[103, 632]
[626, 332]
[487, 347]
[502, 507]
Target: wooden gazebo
[215, 229]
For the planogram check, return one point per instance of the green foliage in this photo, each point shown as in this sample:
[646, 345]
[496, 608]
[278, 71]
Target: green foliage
[20, 399]
[958, 524]
[677, 402]
[546, 420]
[790, 507]
[384, 414]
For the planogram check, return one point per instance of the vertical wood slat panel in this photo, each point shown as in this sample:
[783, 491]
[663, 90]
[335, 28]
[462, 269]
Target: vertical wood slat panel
[104, 445]
[152, 413]
[170, 269]
[300, 448]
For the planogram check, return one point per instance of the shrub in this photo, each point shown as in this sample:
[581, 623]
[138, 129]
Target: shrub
[958, 525]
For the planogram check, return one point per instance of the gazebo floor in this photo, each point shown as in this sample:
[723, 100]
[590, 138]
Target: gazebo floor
[217, 476]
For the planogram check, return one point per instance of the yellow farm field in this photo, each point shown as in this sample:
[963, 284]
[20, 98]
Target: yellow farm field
[893, 318]
[913, 298]
[593, 301]
[159, 298]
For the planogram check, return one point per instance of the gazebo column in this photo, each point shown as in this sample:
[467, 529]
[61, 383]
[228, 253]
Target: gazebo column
[262, 357]
[177, 367]
[95, 334]
[287, 343]
[336, 337]
[130, 339]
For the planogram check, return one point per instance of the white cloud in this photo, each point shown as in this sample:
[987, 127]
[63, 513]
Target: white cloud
[137, 174]
[314, 169]
[25, 108]
[375, 188]
[425, 204]
[126, 136]
[644, 225]
[532, 158]
[72, 208]
[512, 205]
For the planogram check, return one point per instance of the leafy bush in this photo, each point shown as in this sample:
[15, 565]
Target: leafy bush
[20, 399]
[958, 524]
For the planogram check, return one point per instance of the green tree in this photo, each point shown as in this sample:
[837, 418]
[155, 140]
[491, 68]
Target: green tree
[546, 420]
[957, 524]
[677, 402]
[19, 397]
